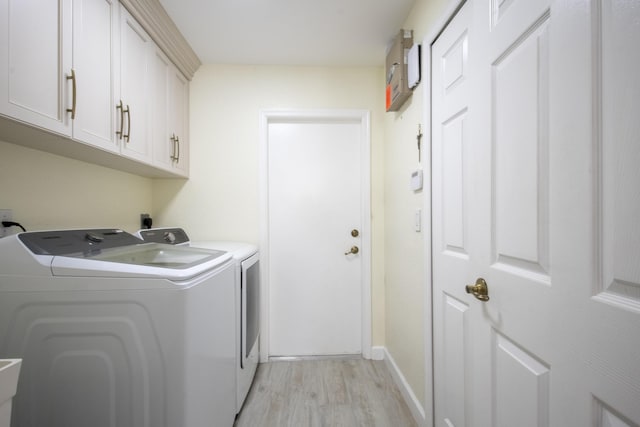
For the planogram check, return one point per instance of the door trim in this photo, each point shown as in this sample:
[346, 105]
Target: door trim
[429, 393]
[319, 116]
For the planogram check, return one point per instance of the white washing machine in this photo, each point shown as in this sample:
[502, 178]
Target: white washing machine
[247, 276]
[115, 332]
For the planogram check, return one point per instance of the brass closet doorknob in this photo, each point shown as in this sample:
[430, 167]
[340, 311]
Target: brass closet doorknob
[480, 290]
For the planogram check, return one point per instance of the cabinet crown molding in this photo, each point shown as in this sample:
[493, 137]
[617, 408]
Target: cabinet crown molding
[155, 20]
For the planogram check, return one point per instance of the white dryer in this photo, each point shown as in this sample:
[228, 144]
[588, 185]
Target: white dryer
[247, 276]
[113, 331]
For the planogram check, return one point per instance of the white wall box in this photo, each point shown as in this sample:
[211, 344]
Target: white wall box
[76, 80]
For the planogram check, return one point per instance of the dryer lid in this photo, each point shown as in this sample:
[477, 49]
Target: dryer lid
[153, 260]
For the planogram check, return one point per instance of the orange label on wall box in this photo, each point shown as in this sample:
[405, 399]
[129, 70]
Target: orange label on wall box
[388, 97]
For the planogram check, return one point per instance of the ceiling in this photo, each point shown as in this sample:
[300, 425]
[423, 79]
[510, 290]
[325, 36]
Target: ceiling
[289, 32]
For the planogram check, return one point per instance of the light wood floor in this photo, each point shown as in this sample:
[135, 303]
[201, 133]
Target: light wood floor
[324, 393]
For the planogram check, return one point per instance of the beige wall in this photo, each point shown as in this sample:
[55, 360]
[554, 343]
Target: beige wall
[404, 248]
[46, 191]
[221, 198]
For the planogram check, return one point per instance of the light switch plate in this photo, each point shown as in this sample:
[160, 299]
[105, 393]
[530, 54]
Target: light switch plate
[416, 180]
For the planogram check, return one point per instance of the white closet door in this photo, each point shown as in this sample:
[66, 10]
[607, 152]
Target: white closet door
[535, 153]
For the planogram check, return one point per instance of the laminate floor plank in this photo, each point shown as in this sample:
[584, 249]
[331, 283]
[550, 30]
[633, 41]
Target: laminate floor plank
[324, 393]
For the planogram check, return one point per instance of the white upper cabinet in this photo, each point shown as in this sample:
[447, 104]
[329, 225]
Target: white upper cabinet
[35, 60]
[179, 118]
[76, 75]
[95, 54]
[170, 116]
[133, 106]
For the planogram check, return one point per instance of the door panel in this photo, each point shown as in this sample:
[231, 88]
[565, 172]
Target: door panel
[315, 192]
[451, 215]
[94, 61]
[518, 373]
[535, 189]
[620, 157]
[453, 203]
[35, 58]
[520, 155]
[615, 304]
[454, 363]
[137, 50]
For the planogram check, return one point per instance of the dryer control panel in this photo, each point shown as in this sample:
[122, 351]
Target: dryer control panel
[173, 236]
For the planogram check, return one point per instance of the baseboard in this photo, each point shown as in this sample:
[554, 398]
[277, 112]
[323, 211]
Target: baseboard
[415, 406]
[377, 353]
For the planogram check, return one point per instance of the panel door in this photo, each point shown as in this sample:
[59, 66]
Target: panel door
[136, 55]
[315, 193]
[455, 260]
[535, 191]
[169, 110]
[162, 131]
[610, 329]
[35, 59]
[95, 54]
[178, 116]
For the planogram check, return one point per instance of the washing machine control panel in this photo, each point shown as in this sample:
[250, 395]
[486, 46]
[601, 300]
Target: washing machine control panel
[66, 242]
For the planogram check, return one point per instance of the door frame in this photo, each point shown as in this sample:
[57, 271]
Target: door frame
[447, 15]
[361, 117]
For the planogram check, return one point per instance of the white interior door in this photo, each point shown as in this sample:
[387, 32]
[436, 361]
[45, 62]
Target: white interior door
[315, 196]
[451, 251]
[535, 138]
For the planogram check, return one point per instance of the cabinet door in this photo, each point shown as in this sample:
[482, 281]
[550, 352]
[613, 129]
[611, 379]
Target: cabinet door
[179, 117]
[170, 116]
[163, 138]
[35, 59]
[94, 57]
[136, 50]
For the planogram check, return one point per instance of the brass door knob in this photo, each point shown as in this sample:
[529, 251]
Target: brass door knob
[480, 290]
[355, 233]
[354, 250]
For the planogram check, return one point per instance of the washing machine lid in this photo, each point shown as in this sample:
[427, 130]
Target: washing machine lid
[115, 253]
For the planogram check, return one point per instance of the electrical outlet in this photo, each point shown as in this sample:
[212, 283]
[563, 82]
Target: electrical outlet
[5, 215]
[145, 220]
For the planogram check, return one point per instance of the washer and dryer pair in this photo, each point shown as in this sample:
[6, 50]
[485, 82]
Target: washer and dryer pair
[114, 331]
[247, 298]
